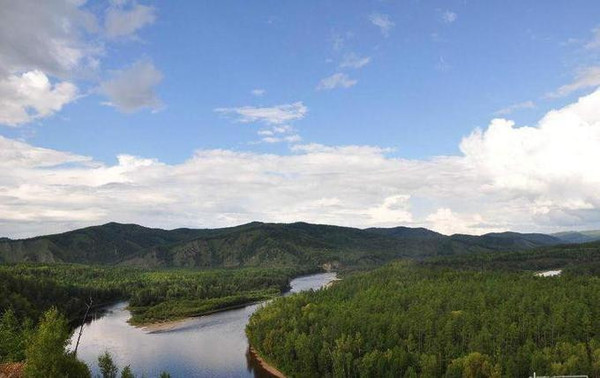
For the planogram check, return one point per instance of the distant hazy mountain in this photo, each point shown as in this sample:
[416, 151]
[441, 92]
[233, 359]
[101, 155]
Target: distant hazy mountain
[254, 244]
[578, 236]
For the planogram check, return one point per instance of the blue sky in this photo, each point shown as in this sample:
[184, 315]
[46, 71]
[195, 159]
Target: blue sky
[412, 80]
[429, 82]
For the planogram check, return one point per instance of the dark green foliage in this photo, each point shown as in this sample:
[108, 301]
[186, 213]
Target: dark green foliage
[413, 319]
[13, 336]
[408, 232]
[29, 290]
[46, 350]
[572, 259]
[109, 243]
[154, 295]
[253, 244]
[107, 366]
[126, 372]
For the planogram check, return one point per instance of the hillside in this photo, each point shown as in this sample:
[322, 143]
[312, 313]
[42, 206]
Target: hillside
[407, 232]
[578, 236]
[254, 244]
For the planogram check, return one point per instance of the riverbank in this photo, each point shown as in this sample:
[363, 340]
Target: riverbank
[176, 322]
[265, 365]
[170, 325]
[331, 283]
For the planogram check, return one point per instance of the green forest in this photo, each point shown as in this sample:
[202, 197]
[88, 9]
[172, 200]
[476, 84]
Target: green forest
[461, 306]
[486, 315]
[29, 291]
[45, 348]
[153, 295]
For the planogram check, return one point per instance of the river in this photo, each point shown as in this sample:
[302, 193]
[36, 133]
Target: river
[208, 346]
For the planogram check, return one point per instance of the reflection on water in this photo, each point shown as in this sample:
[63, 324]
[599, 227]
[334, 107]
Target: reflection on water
[209, 346]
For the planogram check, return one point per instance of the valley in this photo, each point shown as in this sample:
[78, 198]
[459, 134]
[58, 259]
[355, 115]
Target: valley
[160, 282]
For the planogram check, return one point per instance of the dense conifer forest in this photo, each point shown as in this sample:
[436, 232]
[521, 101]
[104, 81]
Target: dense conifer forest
[478, 316]
[154, 295]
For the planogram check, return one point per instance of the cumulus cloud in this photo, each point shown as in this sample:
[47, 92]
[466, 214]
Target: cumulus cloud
[31, 95]
[337, 80]
[40, 42]
[133, 88]
[124, 19]
[447, 222]
[514, 107]
[258, 92]
[48, 48]
[585, 78]
[274, 115]
[49, 36]
[353, 60]
[543, 177]
[394, 210]
[383, 22]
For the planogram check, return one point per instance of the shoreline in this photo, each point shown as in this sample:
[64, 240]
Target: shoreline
[265, 365]
[170, 325]
[173, 324]
[331, 283]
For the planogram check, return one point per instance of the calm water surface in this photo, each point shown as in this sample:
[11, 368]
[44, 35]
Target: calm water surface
[209, 346]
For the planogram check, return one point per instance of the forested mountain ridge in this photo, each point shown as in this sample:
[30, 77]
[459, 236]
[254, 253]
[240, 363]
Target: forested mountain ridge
[507, 241]
[407, 232]
[253, 244]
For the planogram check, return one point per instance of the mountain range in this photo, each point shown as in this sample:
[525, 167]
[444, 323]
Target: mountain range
[261, 244]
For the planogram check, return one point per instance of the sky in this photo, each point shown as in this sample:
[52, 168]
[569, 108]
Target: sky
[460, 116]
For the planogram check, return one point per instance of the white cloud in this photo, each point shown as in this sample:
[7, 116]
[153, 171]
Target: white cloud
[274, 115]
[16, 154]
[48, 48]
[447, 222]
[585, 78]
[276, 118]
[292, 138]
[515, 107]
[31, 95]
[337, 80]
[43, 47]
[543, 177]
[258, 92]
[449, 17]
[383, 22]
[354, 61]
[133, 88]
[392, 212]
[124, 19]
[48, 36]
[279, 134]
